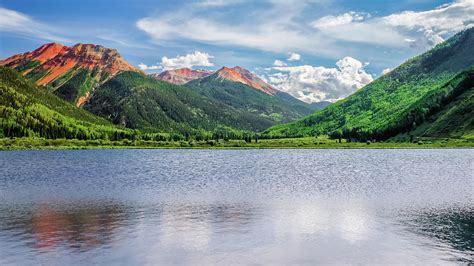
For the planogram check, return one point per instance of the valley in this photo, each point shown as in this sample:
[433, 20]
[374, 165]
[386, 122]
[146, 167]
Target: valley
[89, 92]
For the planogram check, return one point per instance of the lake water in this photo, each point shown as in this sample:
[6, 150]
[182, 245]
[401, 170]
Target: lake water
[224, 207]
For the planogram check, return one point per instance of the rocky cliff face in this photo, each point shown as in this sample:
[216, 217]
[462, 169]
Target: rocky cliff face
[181, 76]
[57, 65]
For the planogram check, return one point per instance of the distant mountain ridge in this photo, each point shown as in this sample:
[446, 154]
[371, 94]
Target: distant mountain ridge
[244, 90]
[142, 102]
[72, 72]
[100, 80]
[181, 76]
[237, 74]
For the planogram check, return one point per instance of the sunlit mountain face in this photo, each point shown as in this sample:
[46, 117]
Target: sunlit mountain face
[72, 72]
[181, 76]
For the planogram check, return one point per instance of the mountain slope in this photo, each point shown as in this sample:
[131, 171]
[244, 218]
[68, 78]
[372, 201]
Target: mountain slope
[27, 110]
[242, 90]
[379, 109]
[138, 101]
[71, 72]
[181, 76]
[447, 112]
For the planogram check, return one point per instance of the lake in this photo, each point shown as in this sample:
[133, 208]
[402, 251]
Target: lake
[271, 207]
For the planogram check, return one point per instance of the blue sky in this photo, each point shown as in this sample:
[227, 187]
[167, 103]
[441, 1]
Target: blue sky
[337, 46]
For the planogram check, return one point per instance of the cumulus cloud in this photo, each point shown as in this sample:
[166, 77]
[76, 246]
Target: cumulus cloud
[279, 63]
[20, 24]
[294, 57]
[146, 67]
[181, 61]
[444, 20]
[385, 71]
[195, 59]
[316, 83]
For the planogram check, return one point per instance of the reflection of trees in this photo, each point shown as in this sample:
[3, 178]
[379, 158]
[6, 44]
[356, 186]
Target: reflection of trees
[81, 228]
[452, 227]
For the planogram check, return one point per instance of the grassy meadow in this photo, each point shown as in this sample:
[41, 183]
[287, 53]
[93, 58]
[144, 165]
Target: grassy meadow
[307, 142]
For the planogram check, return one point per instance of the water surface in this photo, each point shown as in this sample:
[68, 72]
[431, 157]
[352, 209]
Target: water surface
[236, 207]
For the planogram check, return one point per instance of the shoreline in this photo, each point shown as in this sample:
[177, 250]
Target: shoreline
[296, 143]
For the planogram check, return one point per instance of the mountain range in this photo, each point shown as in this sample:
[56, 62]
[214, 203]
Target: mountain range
[99, 80]
[243, 90]
[181, 76]
[89, 91]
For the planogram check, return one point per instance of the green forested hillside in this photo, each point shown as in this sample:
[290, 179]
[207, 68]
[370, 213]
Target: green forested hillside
[401, 100]
[447, 112]
[137, 101]
[76, 83]
[280, 107]
[27, 110]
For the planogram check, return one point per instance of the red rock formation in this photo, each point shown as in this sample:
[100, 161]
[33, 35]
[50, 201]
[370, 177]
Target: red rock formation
[181, 76]
[42, 54]
[52, 61]
[246, 77]
[55, 60]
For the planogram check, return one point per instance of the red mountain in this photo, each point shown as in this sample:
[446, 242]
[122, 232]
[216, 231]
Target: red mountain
[238, 74]
[181, 76]
[83, 65]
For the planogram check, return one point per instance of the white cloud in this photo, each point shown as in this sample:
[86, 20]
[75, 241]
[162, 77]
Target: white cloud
[283, 27]
[272, 30]
[294, 57]
[217, 3]
[444, 19]
[367, 31]
[333, 21]
[20, 24]
[286, 26]
[315, 84]
[385, 71]
[195, 59]
[279, 63]
[146, 67]
[415, 29]
[181, 61]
